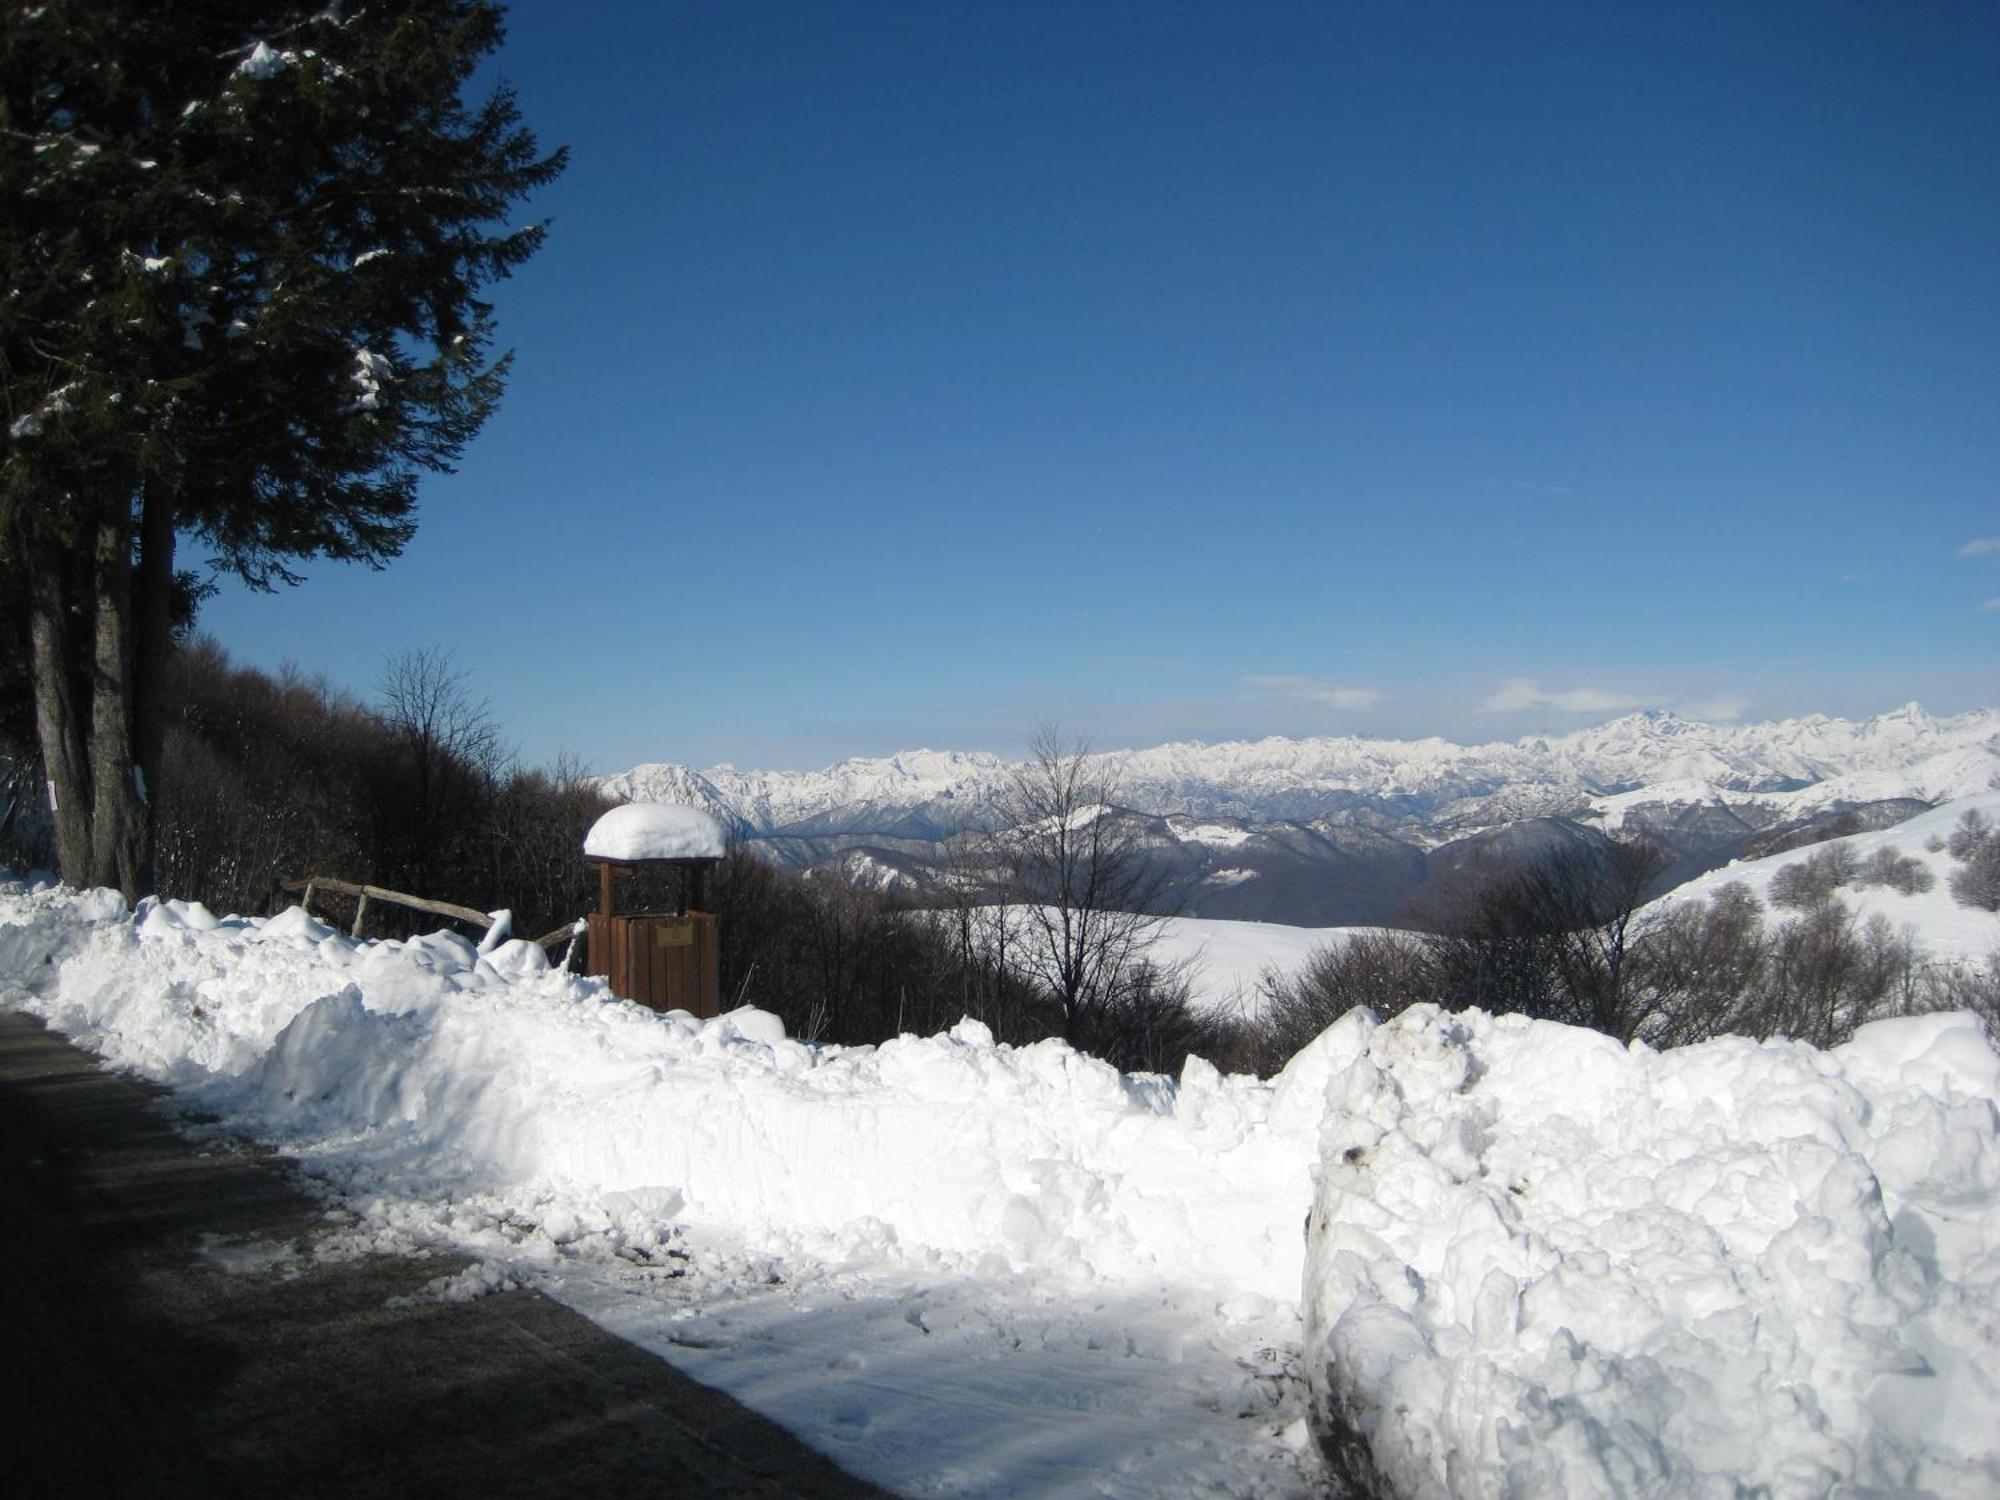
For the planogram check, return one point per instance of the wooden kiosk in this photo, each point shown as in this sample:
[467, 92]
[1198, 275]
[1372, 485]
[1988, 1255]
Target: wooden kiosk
[667, 960]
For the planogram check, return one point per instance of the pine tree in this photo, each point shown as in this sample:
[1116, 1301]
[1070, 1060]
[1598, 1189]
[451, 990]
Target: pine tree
[243, 246]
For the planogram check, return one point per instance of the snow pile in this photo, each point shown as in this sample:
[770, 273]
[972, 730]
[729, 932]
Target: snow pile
[1539, 1263]
[958, 1268]
[487, 1073]
[1542, 1263]
[656, 830]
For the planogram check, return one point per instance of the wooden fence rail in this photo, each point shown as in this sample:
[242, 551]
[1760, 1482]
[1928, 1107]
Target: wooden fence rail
[363, 894]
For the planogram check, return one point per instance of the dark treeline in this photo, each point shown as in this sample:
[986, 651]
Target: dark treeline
[277, 778]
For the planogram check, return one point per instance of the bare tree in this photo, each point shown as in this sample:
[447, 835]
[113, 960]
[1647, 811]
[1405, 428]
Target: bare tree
[448, 755]
[536, 829]
[1086, 902]
[1552, 938]
[1700, 968]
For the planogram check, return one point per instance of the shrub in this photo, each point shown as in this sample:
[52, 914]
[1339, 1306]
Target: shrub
[1827, 975]
[1900, 872]
[1963, 986]
[1386, 971]
[1699, 969]
[1977, 882]
[1973, 833]
[1812, 881]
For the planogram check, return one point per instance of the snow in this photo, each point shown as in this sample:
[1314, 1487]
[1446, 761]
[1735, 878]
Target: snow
[264, 61]
[1541, 1263]
[370, 373]
[656, 830]
[1221, 835]
[959, 1267]
[1945, 930]
[1225, 961]
[1230, 959]
[32, 423]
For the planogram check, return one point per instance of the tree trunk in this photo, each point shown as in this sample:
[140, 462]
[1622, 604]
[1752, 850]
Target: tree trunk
[152, 623]
[59, 714]
[118, 817]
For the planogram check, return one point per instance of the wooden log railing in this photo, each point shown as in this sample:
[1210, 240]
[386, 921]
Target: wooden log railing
[363, 894]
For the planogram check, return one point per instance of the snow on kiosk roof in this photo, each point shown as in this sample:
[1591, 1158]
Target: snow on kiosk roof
[644, 831]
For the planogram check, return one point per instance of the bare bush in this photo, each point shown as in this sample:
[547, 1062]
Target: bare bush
[843, 963]
[1811, 882]
[536, 829]
[266, 778]
[1976, 883]
[1963, 986]
[1153, 1024]
[1701, 968]
[1972, 833]
[1550, 939]
[1386, 971]
[443, 769]
[1829, 974]
[1889, 866]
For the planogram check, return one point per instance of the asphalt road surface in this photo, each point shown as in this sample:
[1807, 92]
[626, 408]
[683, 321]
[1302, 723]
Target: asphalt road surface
[135, 1364]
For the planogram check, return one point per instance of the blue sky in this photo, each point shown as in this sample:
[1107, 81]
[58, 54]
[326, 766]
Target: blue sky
[911, 374]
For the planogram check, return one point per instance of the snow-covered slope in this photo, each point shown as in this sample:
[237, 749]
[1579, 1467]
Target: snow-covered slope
[1227, 961]
[1943, 928]
[1904, 753]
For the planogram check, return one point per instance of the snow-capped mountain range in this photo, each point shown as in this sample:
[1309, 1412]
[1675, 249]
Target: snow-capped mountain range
[1641, 758]
[1323, 832]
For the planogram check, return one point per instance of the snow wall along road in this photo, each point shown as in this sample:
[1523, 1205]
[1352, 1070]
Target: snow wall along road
[1539, 1263]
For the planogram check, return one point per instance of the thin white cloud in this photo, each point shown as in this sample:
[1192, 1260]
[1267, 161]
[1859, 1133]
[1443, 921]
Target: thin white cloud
[1519, 694]
[1723, 710]
[1991, 604]
[1980, 546]
[1312, 692]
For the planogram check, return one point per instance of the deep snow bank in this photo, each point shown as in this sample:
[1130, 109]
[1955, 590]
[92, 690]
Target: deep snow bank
[426, 1060]
[1541, 1263]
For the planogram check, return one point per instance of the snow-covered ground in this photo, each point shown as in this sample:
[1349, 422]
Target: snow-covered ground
[1228, 960]
[1944, 929]
[955, 1267]
[1550, 1265]
[1224, 961]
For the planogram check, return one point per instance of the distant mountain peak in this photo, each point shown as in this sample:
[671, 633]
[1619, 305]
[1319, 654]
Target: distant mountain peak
[927, 792]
